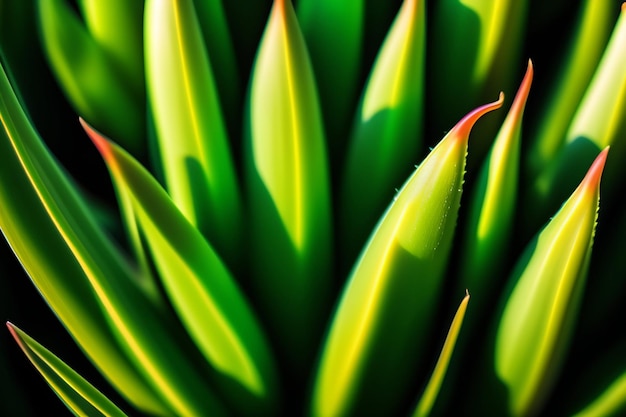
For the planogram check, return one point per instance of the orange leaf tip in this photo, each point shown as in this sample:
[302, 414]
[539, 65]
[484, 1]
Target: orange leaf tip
[464, 126]
[592, 179]
[102, 143]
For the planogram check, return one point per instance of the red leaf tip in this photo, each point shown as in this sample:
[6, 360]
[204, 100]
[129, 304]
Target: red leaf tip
[102, 144]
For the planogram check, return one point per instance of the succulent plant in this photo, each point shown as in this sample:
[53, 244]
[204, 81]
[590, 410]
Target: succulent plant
[282, 209]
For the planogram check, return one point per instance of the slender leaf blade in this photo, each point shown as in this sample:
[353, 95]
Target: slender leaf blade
[426, 402]
[148, 336]
[49, 259]
[82, 398]
[191, 136]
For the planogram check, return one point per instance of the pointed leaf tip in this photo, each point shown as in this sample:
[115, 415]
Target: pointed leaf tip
[102, 144]
[522, 94]
[463, 127]
[592, 179]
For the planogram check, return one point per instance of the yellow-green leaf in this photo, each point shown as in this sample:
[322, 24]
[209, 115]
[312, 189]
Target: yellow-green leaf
[383, 318]
[536, 323]
[29, 175]
[82, 398]
[489, 223]
[192, 139]
[576, 70]
[426, 402]
[288, 187]
[202, 290]
[387, 133]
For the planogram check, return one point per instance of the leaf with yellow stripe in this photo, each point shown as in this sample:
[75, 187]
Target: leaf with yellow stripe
[535, 327]
[288, 191]
[381, 324]
[191, 136]
[387, 133]
[429, 396]
[29, 175]
[82, 398]
[202, 290]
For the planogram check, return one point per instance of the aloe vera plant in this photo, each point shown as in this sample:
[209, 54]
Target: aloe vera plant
[324, 208]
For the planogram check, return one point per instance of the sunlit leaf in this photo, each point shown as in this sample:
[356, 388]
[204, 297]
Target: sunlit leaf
[191, 135]
[387, 134]
[489, 224]
[381, 324]
[426, 402]
[147, 335]
[585, 50]
[202, 290]
[288, 189]
[77, 394]
[547, 283]
[478, 49]
[26, 167]
[598, 122]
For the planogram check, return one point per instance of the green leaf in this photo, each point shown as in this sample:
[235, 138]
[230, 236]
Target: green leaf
[191, 135]
[91, 80]
[576, 70]
[598, 122]
[117, 26]
[478, 49]
[535, 326]
[202, 290]
[147, 335]
[387, 133]
[77, 394]
[431, 391]
[488, 226]
[383, 318]
[612, 402]
[288, 185]
[601, 387]
[334, 36]
[27, 220]
[219, 45]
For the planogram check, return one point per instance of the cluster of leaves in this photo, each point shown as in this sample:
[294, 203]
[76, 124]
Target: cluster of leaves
[277, 249]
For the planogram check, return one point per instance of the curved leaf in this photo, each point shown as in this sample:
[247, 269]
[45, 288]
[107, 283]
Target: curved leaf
[203, 292]
[25, 220]
[383, 317]
[147, 336]
[490, 220]
[90, 79]
[77, 394]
